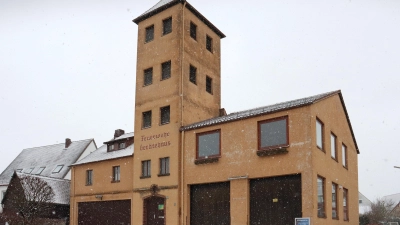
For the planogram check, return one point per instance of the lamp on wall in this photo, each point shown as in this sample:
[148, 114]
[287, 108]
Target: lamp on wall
[99, 197]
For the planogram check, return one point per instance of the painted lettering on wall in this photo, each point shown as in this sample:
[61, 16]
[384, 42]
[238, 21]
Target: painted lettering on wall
[154, 144]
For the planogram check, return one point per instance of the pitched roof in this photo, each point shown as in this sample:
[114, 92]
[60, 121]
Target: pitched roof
[49, 156]
[395, 198]
[165, 4]
[271, 109]
[102, 154]
[61, 188]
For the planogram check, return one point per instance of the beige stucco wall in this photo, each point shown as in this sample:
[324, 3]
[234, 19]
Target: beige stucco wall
[102, 183]
[238, 158]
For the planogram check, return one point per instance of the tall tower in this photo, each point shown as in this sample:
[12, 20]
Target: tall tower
[178, 82]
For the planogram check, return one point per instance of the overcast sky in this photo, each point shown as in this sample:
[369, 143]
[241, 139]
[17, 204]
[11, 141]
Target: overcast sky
[67, 69]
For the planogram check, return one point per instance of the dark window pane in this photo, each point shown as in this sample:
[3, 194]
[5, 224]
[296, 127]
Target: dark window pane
[192, 76]
[147, 119]
[208, 145]
[89, 175]
[164, 166]
[345, 205]
[150, 33]
[209, 85]
[334, 201]
[209, 43]
[319, 128]
[193, 30]
[165, 115]
[166, 70]
[167, 26]
[273, 133]
[116, 173]
[146, 168]
[148, 76]
[321, 196]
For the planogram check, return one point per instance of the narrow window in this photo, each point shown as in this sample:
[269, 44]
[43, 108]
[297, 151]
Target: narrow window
[167, 26]
[273, 133]
[40, 170]
[344, 156]
[165, 70]
[116, 174]
[333, 147]
[148, 76]
[149, 33]
[121, 145]
[193, 30]
[320, 135]
[164, 166]
[111, 147]
[146, 169]
[208, 144]
[89, 177]
[192, 74]
[321, 196]
[165, 115]
[58, 168]
[146, 119]
[345, 205]
[334, 201]
[209, 84]
[209, 43]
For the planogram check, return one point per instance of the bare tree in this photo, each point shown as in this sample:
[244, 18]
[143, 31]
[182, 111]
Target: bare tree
[382, 212]
[28, 197]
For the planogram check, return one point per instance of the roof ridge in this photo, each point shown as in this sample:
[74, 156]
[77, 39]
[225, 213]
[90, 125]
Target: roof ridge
[57, 144]
[42, 177]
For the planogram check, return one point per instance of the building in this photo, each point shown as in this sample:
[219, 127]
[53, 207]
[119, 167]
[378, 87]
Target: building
[395, 199]
[25, 191]
[48, 161]
[101, 190]
[195, 164]
[364, 204]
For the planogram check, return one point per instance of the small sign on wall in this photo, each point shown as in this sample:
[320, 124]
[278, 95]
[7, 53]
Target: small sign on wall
[161, 207]
[302, 221]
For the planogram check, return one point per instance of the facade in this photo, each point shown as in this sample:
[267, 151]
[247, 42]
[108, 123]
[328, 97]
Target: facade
[48, 161]
[195, 164]
[22, 194]
[101, 190]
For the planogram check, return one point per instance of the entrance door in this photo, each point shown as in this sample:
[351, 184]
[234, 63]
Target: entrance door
[276, 200]
[154, 211]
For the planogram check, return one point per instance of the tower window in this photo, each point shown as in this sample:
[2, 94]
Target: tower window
[192, 75]
[164, 166]
[193, 30]
[146, 119]
[111, 147]
[149, 33]
[165, 115]
[165, 70]
[146, 169]
[148, 76]
[167, 26]
[209, 43]
[209, 84]
[121, 145]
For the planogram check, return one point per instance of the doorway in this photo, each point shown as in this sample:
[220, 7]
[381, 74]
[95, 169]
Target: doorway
[154, 211]
[275, 200]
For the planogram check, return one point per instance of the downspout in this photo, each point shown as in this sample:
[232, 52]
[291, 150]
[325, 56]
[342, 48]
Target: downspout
[182, 210]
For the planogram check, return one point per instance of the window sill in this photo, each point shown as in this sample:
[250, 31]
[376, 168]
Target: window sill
[145, 177]
[89, 184]
[163, 175]
[206, 160]
[115, 181]
[164, 123]
[271, 152]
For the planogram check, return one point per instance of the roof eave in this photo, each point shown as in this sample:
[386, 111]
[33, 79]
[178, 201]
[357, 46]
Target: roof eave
[188, 6]
[348, 121]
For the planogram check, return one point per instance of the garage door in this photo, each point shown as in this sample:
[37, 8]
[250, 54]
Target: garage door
[275, 200]
[105, 212]
[210, 204]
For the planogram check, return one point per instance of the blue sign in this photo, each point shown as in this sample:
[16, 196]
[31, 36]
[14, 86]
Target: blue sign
[302, 221]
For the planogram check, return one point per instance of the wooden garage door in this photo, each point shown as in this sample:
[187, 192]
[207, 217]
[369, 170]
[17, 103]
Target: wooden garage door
[210, 204]
[104, 212]
[275, 200]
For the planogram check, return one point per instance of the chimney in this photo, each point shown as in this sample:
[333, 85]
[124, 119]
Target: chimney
[67, 142]
[118, 133]
[222, 112]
